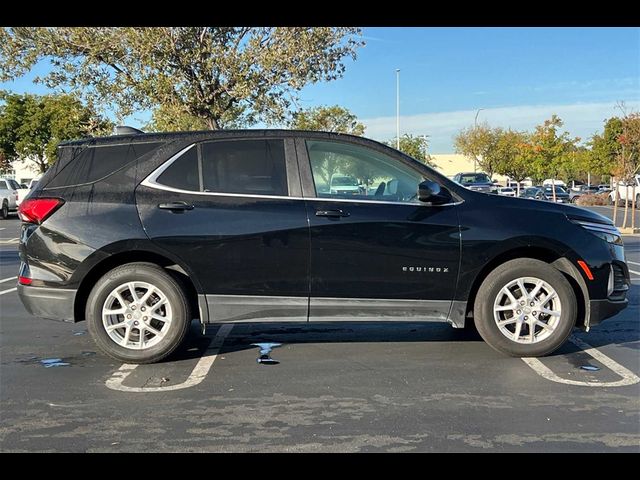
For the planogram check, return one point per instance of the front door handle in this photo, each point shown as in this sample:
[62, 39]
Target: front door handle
[331, 213]
[176, 206]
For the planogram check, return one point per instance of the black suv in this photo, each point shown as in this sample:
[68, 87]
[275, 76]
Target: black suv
[139, 234]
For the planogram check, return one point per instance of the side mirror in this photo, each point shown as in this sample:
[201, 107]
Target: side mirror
[433, 193]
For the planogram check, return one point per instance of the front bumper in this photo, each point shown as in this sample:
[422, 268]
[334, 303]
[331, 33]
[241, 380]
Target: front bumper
[603, 309]
[50, 303]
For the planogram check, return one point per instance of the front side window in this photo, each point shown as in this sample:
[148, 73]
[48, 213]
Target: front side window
[235, 166]
[342, 170]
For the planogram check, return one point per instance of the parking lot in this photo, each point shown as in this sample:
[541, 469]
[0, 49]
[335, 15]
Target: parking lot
[340, 387]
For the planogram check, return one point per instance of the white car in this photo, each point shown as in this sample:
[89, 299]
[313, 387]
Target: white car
[626, 191]
[344, 184]
[507, 191]
[23, 192]
[8, 196]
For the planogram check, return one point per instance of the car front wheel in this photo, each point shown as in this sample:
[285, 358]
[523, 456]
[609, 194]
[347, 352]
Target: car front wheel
[525, 308]
[138, 313]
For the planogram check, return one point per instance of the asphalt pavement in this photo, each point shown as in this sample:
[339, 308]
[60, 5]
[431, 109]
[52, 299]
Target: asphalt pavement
[338, 387]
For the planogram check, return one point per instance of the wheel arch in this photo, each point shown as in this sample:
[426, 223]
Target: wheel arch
[556, 260]
[114, 260]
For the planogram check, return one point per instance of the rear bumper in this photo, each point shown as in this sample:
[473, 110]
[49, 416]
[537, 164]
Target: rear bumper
[603, 309]
[50, 303]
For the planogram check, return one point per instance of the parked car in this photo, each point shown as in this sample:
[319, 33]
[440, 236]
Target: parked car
[344, 185]
[549, 181]
[24, 190]
[626, 191]
[546, 193]
[8, 196]
[506, 191]
[479, 182]
[530, 192]
[582, 190]
[141, 233]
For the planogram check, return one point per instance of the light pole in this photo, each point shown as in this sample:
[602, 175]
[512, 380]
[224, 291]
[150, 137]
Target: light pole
[398, 108]
[475, 126]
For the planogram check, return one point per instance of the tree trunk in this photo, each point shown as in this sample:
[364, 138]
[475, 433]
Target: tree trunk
[633, 208]
[626, 206]
[615, 202]
[213, 123]
[553, 189]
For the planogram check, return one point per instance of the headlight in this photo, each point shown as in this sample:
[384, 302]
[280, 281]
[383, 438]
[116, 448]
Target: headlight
[607, 232]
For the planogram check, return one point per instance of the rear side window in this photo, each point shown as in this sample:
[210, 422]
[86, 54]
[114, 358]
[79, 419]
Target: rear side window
[182, 173]
[244, 166]
[96, 162]
[236, 166]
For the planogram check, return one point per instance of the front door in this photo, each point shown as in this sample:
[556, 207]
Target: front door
[226, 208]
[377, 253]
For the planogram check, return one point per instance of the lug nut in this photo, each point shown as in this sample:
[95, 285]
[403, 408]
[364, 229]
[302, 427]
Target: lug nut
[129, 316]
[135, 323]
[517, 311]
[522, 302]
[532, 304]
[143, 309]
[526, 318]
[534, 313]
[144, 318]
[133, 307]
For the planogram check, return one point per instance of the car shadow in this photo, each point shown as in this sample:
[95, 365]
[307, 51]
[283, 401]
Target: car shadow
[618, 330]
[245, 335]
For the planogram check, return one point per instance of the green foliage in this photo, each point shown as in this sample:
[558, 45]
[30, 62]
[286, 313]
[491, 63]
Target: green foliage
[217, 74]
[510, 155]
[605, 148]
[31, 126]
[415, 146]
[328, 119]
[479, 143]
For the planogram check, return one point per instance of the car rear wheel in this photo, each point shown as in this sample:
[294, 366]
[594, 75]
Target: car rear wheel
[525, 308]
[4, 212]
[138, 313]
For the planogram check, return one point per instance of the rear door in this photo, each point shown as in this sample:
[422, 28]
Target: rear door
[231, 211]
[378, 253]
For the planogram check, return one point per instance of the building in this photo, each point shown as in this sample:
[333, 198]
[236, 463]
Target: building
[22, 171]
[452, 163]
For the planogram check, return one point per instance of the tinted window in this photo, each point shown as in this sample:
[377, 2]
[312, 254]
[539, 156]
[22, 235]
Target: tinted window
[341, 170]
[94, 163]
[183, 173]
[14, 185]
[244, 166]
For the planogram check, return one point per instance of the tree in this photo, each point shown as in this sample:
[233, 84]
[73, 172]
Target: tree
[478, 143]
[511, 154]
[415, 146]
[31, 126]
[327, 119]
[628, 164]
[216, 74]
[551, 150]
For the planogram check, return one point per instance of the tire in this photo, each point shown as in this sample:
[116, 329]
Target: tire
[4, 212]
[176, 310]
[637, 202]
[491, 294]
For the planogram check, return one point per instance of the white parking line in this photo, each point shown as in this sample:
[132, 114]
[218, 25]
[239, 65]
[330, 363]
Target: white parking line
[8, 241]
[9, 291]
[197, 374]
[628, 377]
[634, 272]
[7, 279]
[633, 263]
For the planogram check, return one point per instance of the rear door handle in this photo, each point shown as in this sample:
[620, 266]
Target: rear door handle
[332, 213]
[176, 206]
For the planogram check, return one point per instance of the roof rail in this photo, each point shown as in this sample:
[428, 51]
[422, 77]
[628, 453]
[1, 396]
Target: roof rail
[126, 130]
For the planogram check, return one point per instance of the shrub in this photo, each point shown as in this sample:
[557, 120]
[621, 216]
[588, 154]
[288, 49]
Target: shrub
[593, 199]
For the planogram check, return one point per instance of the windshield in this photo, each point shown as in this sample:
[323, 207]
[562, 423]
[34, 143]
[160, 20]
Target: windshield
[474, 178]
[344, 182]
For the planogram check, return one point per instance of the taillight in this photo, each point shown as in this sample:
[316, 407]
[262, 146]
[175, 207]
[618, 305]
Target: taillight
[37, 210]
[24, 280]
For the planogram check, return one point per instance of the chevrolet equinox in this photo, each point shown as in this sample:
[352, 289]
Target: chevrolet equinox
[141, 233]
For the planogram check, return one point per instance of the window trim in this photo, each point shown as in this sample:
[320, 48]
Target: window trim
[152, 179]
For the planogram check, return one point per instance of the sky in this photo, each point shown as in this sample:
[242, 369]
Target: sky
[518, 77]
